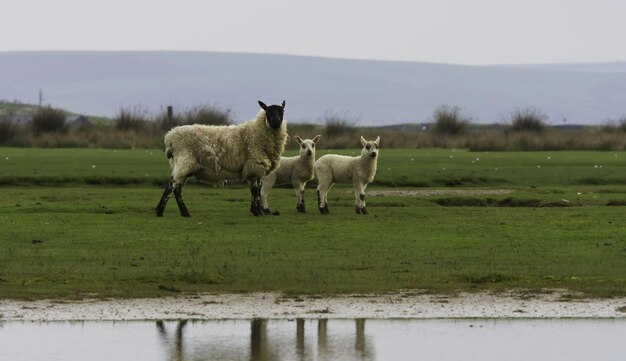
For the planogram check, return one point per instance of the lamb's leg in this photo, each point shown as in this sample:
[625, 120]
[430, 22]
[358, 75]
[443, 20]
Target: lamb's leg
[299, 187]
[178, 194]
[266, 187]
[160, 208]
[322, 197]
[359, 193]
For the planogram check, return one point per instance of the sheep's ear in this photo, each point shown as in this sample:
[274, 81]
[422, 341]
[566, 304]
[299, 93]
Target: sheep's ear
[316, 139]
[263, 106]
[377, 140]
[363, 141]
[299, 140]
[283, 104]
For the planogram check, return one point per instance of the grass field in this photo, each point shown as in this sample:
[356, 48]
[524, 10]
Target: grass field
[71, 230]
[397, 167]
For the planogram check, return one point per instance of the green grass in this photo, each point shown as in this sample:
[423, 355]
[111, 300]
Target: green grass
[80, 241]
[554, 230]
[397, 167]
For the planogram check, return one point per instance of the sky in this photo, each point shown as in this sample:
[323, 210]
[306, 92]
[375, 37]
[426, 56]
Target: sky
[476, 32]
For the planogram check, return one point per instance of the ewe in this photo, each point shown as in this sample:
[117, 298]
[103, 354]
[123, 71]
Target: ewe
[360, 171]
[247, 151]
[296, 170]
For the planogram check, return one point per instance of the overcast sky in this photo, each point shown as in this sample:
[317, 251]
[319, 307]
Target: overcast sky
[445, 31]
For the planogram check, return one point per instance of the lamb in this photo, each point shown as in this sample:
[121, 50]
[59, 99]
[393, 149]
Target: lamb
[296, 170]
[360, 171]
[247, 151]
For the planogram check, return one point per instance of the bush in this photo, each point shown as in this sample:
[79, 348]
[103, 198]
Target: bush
[7, 129]
[130, 119]
[48, 119]
[450, 120]
[208, 115]
[529, 119]
[615, 126]
[337, 125]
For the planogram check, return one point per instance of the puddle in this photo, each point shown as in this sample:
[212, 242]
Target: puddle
[315, 340]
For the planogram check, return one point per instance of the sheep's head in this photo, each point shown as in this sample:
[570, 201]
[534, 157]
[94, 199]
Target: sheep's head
[307, 146]
[273, 114]
[370, 148]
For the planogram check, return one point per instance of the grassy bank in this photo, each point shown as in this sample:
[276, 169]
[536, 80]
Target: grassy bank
[105, 241]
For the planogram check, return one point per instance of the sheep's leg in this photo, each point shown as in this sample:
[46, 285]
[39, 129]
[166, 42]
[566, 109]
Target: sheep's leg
[160, 208]
[255, 205]
[299, 187]
[178, 194]
[359, 194]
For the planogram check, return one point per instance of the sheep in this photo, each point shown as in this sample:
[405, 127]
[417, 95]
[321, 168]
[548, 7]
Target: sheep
[296, 170]
[360, 171]
[247, 151]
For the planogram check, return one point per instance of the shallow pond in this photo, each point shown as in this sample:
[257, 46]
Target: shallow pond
[316, 340]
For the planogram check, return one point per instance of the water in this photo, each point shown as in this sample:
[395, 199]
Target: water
[483, 340]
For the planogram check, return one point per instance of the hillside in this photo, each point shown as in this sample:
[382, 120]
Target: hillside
[376, 92]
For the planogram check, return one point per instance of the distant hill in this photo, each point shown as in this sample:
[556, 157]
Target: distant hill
[377, 92]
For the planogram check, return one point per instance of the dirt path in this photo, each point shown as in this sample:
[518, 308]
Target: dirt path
[275, 306]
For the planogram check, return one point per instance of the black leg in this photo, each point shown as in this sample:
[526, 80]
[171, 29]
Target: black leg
[255, 205]
[178, 194]
[164, 198]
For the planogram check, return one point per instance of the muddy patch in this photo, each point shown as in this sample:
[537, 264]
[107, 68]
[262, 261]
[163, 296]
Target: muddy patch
[436, 192]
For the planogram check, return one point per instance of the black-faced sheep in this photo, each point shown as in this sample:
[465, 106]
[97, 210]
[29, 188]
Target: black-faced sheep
[296, 170]
[360, 171]
[247, 151]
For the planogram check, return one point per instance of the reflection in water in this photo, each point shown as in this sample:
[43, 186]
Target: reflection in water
[175, 345]
[273, 345]
[301, 339]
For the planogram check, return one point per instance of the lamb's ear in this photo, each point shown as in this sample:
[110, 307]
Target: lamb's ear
[299, 140]
[377, 140]
[283, 104]
[363, 141]
[263, 106]
[316, 139]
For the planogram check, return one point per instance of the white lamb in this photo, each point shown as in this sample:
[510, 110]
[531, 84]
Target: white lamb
[360, 171]
[296, 170]
[247, 151]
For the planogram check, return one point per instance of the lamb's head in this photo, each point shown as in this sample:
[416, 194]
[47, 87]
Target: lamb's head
[370, 147]
[273, 114]
[307, 146]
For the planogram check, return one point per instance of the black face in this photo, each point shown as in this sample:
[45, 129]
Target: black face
[273, 114]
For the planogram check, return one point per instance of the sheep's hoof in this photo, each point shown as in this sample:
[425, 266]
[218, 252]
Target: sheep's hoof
[266, 211]
[276, 213]
[357, 210]
[301, 208]
[364, 210]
